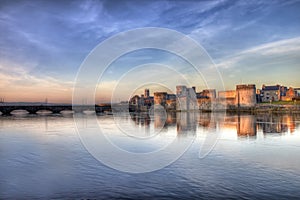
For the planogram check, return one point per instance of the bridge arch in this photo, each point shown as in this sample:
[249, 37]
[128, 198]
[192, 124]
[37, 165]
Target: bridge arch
[44, 112]
[19, 112]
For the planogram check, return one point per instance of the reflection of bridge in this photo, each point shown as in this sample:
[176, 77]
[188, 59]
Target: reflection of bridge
[33, 109]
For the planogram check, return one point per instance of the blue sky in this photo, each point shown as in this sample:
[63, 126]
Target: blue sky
[43, 43]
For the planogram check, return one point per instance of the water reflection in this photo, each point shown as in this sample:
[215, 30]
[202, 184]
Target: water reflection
[206, 120]
[246, 125]
[44, 152]
[277, 123]
[186, 123]
[243, 125]
[141, 119]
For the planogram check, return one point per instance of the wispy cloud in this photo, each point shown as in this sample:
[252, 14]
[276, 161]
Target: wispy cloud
[289, 48]
[51, 39]
[270, 63]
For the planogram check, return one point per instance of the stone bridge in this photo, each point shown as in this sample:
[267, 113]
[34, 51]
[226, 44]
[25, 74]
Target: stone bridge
[33, 109]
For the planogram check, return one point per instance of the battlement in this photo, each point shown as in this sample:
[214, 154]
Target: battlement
[247, 87]
[159, 93]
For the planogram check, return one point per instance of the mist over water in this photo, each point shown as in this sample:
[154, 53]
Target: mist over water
[257, 156]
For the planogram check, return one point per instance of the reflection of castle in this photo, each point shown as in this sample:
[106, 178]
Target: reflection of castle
[142, 119]
[160, 119]
[186, 123]
[246, 125]
[290, 122]
[171, 118]
[207, 121]
[242, 125]
[272, 124]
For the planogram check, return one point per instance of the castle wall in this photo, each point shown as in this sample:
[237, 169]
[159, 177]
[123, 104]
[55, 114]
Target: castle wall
[181, 104]
[192, 99]
[160, 98]
[210, 93]
[226, 98]
[230, 101]
[204, 103]
[226, 94]
[171, 104]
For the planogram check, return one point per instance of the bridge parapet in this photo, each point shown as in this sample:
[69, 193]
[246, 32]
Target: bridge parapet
[33, 109]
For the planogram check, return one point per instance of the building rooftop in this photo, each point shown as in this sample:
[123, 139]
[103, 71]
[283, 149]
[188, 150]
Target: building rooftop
[272, 87]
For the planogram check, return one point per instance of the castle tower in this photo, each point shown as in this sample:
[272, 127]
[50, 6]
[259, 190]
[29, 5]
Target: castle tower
[186, 98]
[182, 100]
[147, 93]
[245, 95]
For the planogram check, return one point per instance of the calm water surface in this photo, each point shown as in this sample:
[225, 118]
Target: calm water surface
[41, 156]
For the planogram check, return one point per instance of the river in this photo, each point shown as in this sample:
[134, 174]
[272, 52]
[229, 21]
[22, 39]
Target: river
[253, 156]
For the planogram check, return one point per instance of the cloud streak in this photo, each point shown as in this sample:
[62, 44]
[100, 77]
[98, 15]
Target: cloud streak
[271, 63]
[289, 48]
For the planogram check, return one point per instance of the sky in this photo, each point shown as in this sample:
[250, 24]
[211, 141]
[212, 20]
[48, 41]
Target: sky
[43, 43]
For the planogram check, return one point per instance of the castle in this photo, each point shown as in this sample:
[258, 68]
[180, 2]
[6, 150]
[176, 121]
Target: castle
[187, 99]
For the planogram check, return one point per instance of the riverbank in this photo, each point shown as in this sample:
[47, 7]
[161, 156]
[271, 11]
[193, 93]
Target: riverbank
[267, 108]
